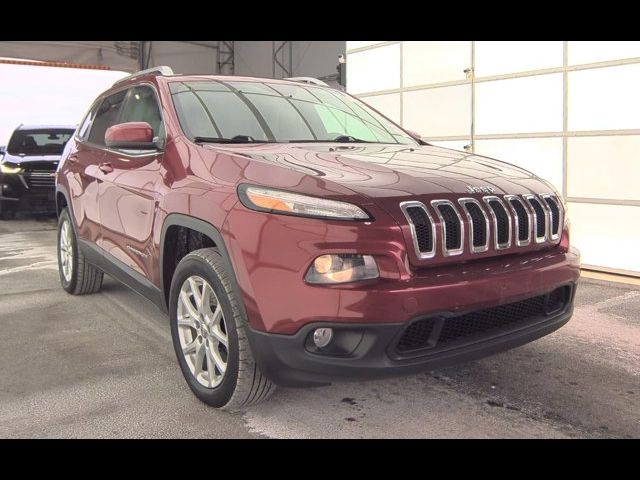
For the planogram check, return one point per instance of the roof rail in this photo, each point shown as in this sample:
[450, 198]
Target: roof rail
[311, 80]
[161, 70]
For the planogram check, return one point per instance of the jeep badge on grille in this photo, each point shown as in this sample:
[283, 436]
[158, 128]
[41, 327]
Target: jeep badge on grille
[483, 189]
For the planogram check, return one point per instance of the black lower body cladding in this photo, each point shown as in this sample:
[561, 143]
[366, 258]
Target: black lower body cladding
[379, 350]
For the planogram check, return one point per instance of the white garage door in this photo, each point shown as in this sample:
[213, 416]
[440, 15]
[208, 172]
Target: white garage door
[567, 111]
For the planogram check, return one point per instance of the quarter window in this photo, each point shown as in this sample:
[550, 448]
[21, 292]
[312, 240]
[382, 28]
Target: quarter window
[85, 126]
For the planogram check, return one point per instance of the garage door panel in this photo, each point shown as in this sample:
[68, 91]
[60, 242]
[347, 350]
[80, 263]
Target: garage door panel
[604, 98]
[606, 167]
[607, 235]
[426, 63]
[541, 156]
[592, 52]
[364, 73]
[438, 112]
[520, 105]
[388, 105]
[499, 58]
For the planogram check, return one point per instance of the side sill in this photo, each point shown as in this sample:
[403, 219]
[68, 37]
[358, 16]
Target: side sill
[123, 273]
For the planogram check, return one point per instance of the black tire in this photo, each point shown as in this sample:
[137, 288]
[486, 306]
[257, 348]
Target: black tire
[85, 278]
[242, 384]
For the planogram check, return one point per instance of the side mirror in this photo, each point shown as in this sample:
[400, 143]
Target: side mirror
[130, 136]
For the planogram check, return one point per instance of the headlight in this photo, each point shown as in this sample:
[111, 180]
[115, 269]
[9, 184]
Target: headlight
[288, 203]
[7, 168]
[342, 268]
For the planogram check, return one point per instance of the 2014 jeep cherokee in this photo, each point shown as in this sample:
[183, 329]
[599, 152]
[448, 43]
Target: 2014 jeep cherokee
[296, 236]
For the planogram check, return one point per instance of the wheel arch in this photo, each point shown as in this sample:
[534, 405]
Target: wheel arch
[62, 200]
[177, 220]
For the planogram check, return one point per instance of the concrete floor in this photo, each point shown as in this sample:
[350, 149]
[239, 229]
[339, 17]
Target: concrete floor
[103, 366]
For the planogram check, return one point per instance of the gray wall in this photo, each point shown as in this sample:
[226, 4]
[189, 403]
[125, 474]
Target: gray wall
[310, 58]
[252, 58]
[184, 57]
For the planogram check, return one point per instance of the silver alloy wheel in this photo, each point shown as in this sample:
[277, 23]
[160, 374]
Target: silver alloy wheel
[202, 332]
[66, 251]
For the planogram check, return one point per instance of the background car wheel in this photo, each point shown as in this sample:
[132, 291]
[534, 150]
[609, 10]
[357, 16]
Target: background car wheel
[77, 276]
[209, 334]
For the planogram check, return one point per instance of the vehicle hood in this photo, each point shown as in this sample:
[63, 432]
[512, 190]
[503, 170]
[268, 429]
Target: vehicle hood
[25, 160]
[397, 171]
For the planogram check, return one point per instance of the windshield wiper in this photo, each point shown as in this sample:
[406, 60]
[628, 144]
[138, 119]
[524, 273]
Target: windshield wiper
[338, 139]
[236, 139]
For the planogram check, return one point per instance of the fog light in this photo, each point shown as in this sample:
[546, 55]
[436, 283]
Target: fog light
[322, 337]
[342, 268]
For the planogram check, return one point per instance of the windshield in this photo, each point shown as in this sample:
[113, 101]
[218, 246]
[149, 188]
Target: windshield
[39, 142]
[269, 112]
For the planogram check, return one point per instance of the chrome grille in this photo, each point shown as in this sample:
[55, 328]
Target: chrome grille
[521, 218]
[422, 228]
[555, 214]
[501, 222]
[479, 225]
[39, 178]
[452, 227]
[510, 219]
[539, 218]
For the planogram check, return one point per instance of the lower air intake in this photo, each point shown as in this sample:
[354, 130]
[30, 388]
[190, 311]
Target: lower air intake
[438, 332]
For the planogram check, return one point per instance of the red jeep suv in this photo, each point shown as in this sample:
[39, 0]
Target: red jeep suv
[295, 236]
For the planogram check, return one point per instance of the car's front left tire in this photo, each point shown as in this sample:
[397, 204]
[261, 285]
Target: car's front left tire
[77, 276]
[209, 334]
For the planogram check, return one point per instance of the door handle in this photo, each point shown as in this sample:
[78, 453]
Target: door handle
[105, 167]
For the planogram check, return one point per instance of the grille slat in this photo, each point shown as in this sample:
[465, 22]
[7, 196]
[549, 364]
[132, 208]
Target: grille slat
[422, 228]
[479, 225]
[437, 333]
[452, 227]
[554, 209]
[521, 216]
[501, 222]
[540, 218]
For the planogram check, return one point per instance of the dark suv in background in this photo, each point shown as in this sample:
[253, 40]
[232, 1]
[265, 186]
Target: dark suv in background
[296, 236]
[28, 166]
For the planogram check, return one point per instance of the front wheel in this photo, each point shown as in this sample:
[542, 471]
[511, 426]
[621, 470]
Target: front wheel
[209, 335]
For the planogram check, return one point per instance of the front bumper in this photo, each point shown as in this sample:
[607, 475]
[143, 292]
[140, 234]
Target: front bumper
[17, 196]
[271, 254]
[292, 361]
